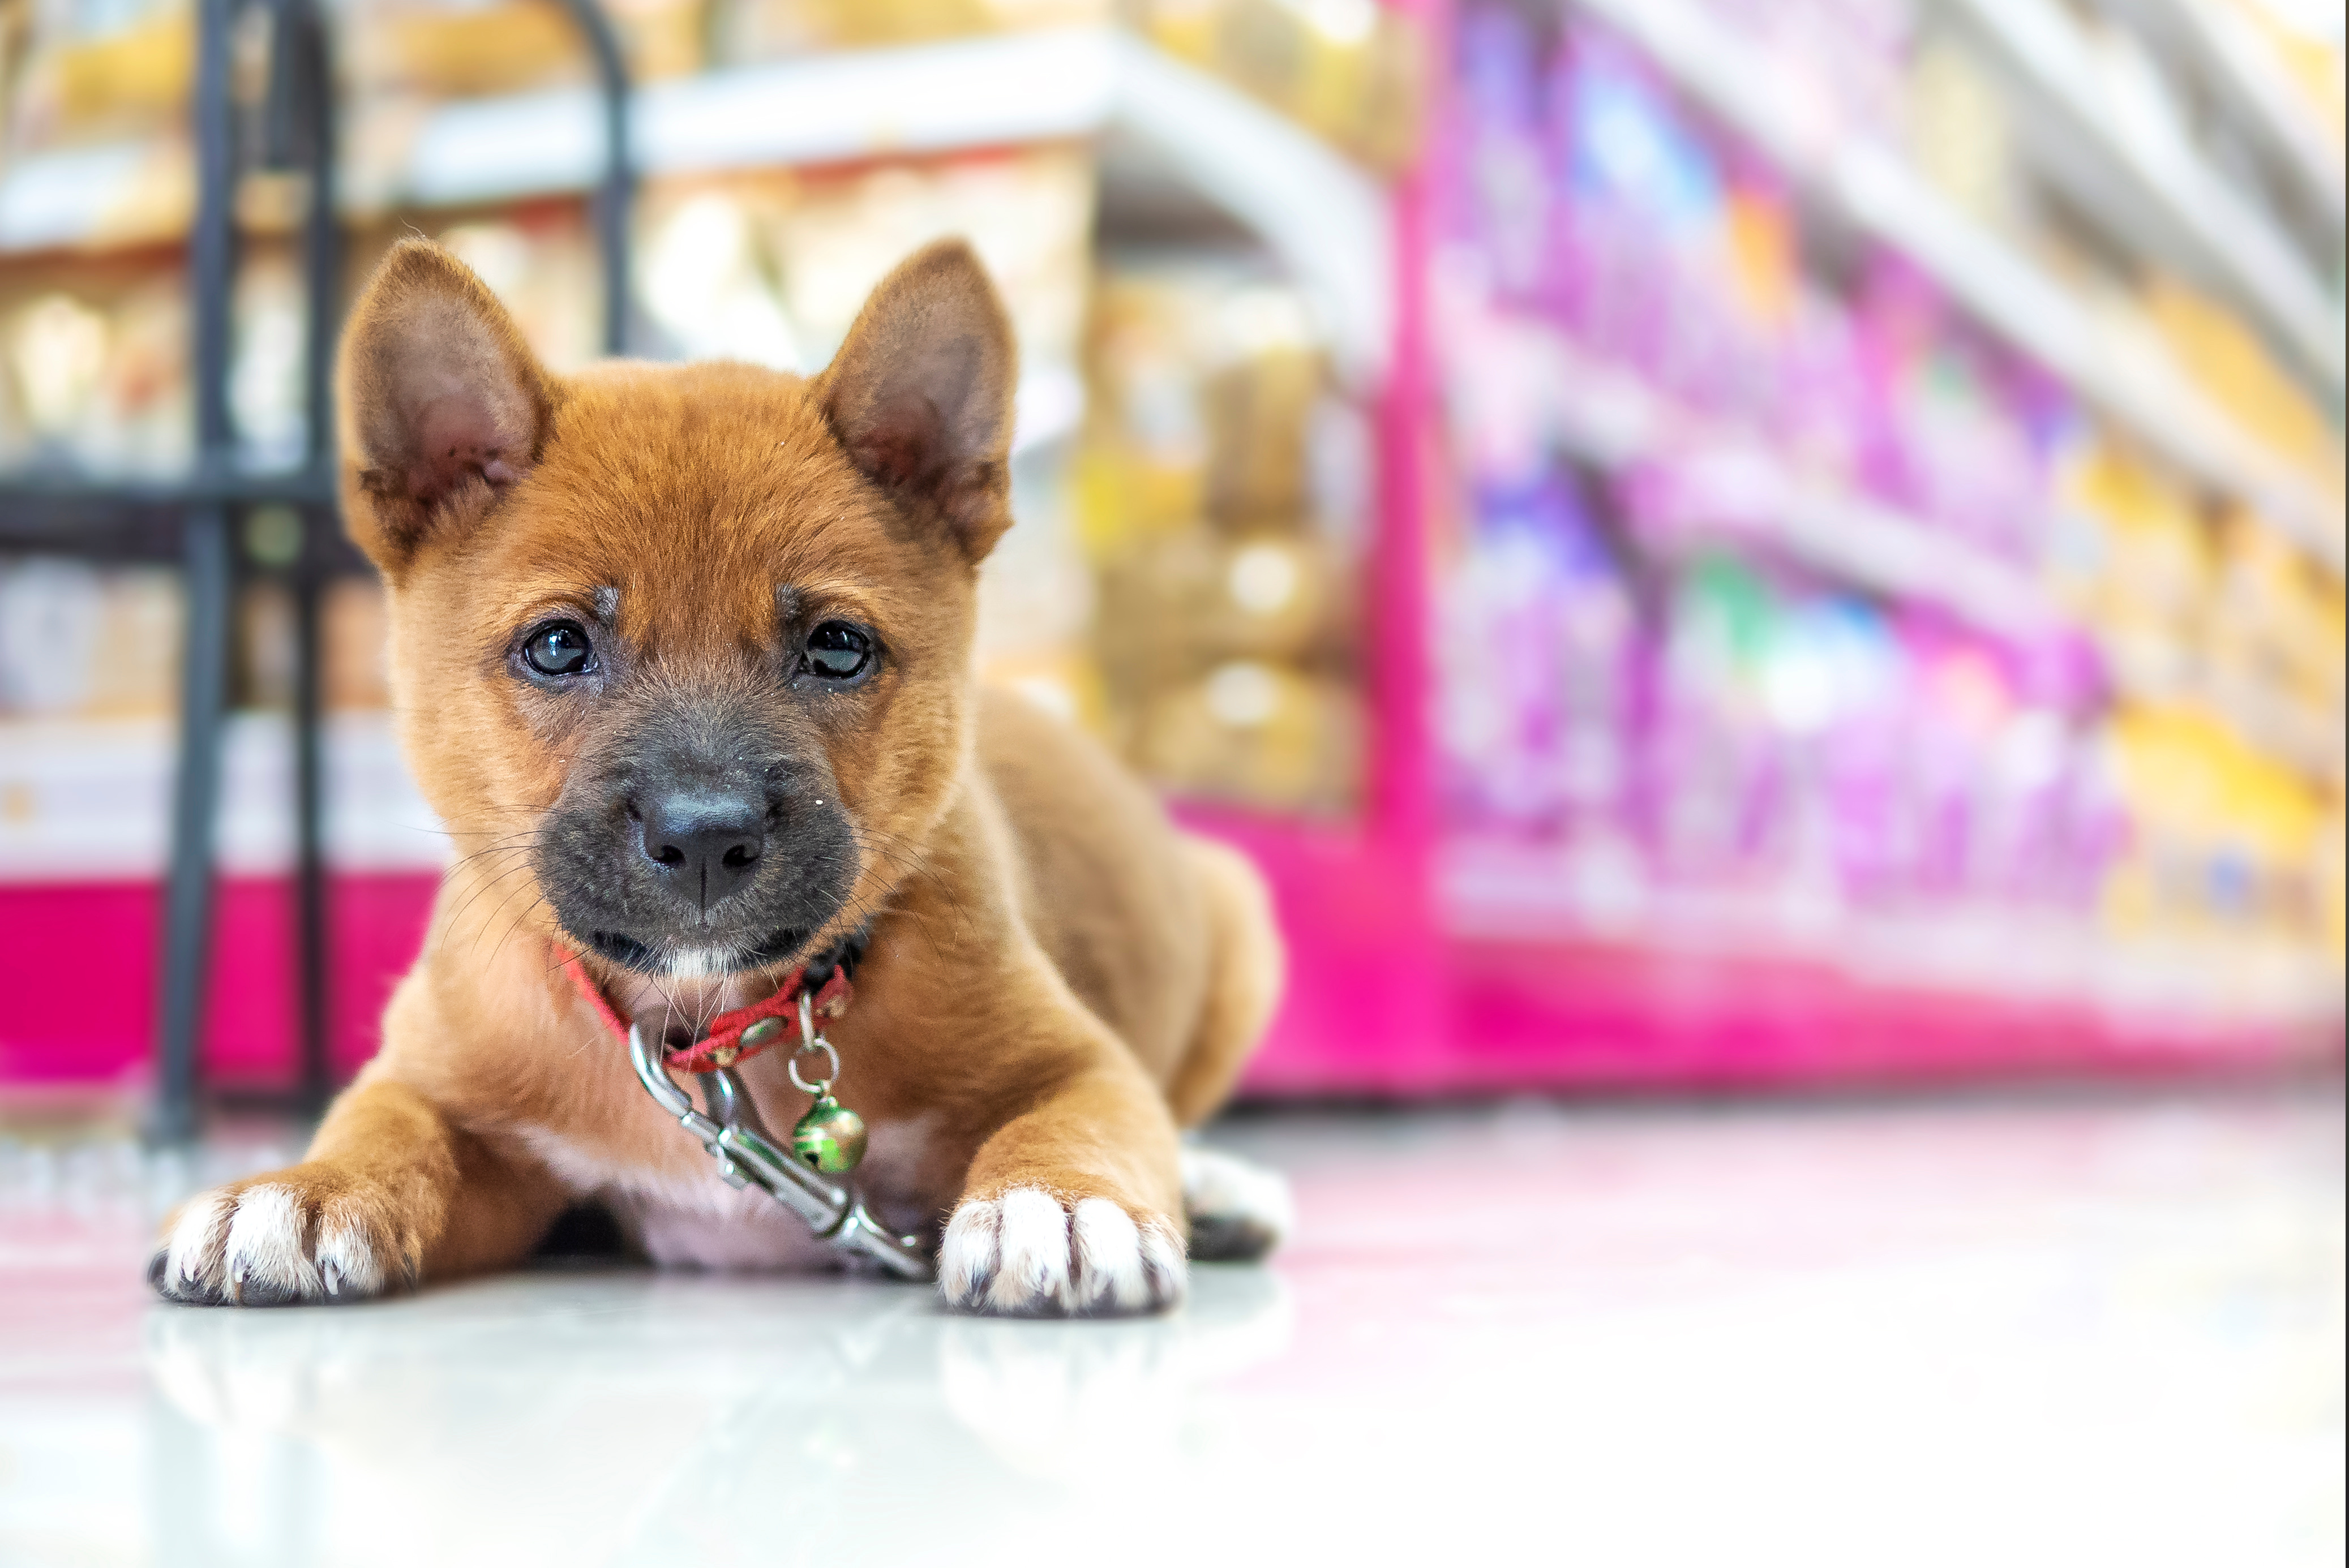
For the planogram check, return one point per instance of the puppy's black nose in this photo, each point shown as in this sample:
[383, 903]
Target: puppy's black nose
[710, 842]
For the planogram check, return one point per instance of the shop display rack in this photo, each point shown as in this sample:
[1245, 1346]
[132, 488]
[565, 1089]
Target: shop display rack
[1574, 953]
[1862, 183]
[2138, 172]
[2254, 92]
[1428, 954]
[195, 521]
[1159, 125]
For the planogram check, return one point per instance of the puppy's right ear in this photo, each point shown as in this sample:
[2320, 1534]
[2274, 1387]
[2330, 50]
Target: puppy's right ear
[443, 405]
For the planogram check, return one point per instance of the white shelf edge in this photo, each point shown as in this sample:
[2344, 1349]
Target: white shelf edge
[1877, 190]
[98, 793]
[2226, 235]
[976, 92]
[1497, 886]
[2260, 93]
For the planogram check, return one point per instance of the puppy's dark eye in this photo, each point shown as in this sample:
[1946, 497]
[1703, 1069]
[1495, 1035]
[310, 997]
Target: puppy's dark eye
[837, 651]
[558, 649]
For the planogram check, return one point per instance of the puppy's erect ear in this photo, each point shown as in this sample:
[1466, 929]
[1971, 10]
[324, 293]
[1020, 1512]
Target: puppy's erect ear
[443, 405]
[920, 395]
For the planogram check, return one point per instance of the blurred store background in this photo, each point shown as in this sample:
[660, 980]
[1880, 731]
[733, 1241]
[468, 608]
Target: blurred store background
[1700, 542]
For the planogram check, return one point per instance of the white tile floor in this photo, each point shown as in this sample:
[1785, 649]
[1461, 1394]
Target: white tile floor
[2030, 1332]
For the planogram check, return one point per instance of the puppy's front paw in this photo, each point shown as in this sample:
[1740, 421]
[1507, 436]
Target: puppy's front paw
[1028, 1253]
[275, 1240]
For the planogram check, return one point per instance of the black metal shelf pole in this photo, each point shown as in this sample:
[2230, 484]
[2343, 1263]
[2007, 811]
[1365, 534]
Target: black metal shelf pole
[301, 136]
[309, 89]
[616, 189]
[209, 577]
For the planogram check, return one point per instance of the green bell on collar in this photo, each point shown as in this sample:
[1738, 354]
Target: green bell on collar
[830, 1138]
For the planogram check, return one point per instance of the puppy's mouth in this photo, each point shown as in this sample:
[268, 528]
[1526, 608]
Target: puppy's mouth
[696, 963]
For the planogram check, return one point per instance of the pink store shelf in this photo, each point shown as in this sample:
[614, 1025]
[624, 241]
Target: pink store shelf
[82, 962]
[1379, 1003]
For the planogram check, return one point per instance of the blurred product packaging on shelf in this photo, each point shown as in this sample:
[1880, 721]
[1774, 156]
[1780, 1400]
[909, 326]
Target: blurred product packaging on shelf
[78, 641]
[432, 50]
[86, 74]
[102, 90]
[93, 368]
[354, 665]
[746, 32]
[1223, 486]
[1348, 69]
[1640, 659]
[83, 641]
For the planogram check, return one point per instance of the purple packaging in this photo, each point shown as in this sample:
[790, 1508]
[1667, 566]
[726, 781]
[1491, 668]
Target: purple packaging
[1501, 194]
[1538, 648]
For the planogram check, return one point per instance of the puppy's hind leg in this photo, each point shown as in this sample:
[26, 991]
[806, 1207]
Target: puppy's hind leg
[1239, 1210]
[1243, 980]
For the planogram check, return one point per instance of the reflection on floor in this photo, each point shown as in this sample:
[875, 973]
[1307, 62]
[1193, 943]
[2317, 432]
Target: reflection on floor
[2031, 1332]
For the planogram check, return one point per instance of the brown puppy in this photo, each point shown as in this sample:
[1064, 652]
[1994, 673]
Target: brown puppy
[682, 656]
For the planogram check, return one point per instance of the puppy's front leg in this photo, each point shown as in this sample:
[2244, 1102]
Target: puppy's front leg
[391, 1193]
[1069, 1208]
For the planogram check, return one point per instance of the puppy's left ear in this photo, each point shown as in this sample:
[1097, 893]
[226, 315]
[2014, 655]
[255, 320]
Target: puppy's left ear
[920, 395]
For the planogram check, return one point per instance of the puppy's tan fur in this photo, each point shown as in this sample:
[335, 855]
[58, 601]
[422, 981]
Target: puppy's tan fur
[1057, 978]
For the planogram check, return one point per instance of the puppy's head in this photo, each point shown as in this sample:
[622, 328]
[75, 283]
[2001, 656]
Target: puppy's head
[687, 644]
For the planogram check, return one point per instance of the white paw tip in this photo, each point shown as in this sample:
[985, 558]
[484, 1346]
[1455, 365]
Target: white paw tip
[265, 1245]
[1031, 1272]
[192, 1257]
[1108, 1258]
[266, 1260]
[967, 1253]
[1027, 1255]
[347, 1265]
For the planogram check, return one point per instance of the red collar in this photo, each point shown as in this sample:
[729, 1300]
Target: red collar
[732, 1037]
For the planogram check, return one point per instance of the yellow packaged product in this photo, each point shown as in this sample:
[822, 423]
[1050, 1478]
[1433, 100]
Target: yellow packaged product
[2281, 615]
[95, 74]
[466, 48]
[1260, 415]
[2145, 584]
[1142, 467]
[2234, 368]
[1255, 734]
[1175, 604]
[2225, 837]
[1347, 70]
[747, 32]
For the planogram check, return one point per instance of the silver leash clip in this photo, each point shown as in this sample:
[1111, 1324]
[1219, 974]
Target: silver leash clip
[747, 1156]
